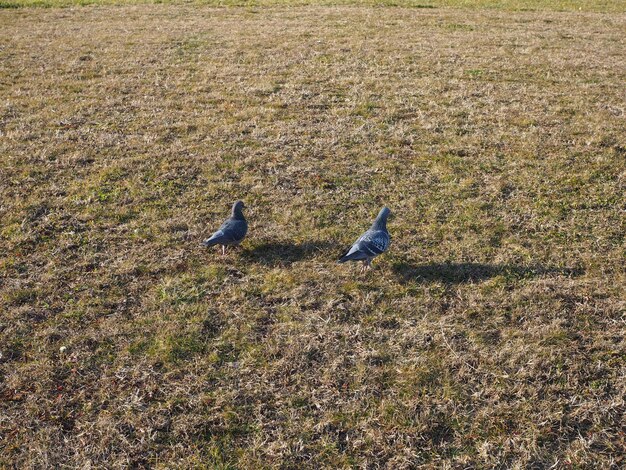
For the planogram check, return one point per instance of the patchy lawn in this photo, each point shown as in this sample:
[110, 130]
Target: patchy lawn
[491, 334]
[615, 6]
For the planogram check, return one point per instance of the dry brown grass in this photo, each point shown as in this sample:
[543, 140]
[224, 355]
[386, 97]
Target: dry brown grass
[492, 333]
[605, 6]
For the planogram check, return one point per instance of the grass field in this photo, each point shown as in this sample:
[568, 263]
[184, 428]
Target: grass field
[605, 6]
[491, 335]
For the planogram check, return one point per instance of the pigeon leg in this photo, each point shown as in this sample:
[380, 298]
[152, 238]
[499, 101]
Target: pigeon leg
[363, 266]
[223, 250]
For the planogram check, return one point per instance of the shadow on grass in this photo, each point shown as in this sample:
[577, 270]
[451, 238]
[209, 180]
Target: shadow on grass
[282, 253]
[458, 273]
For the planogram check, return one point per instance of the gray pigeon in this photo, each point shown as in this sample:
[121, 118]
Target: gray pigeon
[372, 243]
[232, 232]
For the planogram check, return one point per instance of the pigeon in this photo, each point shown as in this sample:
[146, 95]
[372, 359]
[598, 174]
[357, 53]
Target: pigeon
[232, 232]
[371, 244]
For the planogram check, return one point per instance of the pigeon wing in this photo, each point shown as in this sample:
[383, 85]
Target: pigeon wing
[230, 231]
[372, 243]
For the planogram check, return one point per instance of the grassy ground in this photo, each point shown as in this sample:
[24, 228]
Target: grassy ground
[617, 6]
[491, 334]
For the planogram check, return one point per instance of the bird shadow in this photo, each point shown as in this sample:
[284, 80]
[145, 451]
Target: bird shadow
[459, 273]
[284, 253]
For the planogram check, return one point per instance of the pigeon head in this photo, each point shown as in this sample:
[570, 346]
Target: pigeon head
[238, 207]
[381, 218]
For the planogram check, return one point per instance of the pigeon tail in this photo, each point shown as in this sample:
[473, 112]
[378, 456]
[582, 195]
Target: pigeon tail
[351, 255]
[215, 239]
